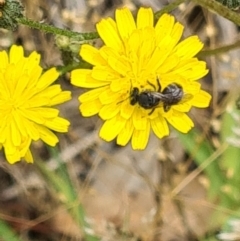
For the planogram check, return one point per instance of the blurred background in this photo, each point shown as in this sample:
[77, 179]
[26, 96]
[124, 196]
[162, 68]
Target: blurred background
[183, 187]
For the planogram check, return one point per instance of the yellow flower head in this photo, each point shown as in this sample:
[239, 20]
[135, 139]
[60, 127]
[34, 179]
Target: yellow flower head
[26, 100]
[143, 78]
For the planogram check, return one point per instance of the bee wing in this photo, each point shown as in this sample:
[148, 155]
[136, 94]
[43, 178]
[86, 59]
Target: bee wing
[157, 95]
[161, 97]
[184, 105]
[185, 98]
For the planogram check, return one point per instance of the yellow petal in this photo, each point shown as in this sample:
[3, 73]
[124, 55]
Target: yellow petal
[46, 112]
[202, 99]
[126, 133]
[140, 138]
[120, 84]
[20, 122]
[62, 97]
[83, 78]
[47, 136]
[145, 18]
[21, 86]
[80, 75]
[109, 111]
[140, 121]
[12, 152]
[92, 94]
[24, 149]
[33, 60]
[34, 76]
[90, 108]
[15, 135]
[177, 32]
[119, 64]
[164, 26]
[134, 42]
[28, 157]
[169, 64]
[190, 69]
[3, 59]
[108, 96]
[126, 109]
[189, 47]
[37, 101]
[58, 124]
[103, 74]
[108, 32]
[32, 129]
[10, 85]
[12, 157]
[160, 127]
[33, 116]
[111, 128]
[50, 92]
[180, 121]
[91, 55]
[125, 22]
[15, 54]
[164, 50]
[47, 78]
[142, 45]
[183, 107]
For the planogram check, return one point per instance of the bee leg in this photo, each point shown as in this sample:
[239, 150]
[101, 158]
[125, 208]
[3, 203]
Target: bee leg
[154, 87]
[151, 111]
[134, 96]
[166, 108]
[159, 86]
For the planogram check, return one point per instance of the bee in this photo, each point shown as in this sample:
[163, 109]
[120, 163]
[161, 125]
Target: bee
[171, 95]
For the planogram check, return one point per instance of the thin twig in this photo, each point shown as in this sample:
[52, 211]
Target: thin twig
[195, 173]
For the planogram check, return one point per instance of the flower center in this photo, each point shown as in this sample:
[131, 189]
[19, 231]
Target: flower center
[9, 105]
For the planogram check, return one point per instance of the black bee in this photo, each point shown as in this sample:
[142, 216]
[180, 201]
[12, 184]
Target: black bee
[148, 99]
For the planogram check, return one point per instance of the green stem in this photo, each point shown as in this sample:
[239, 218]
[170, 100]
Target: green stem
[170, 7]
[220, 9]
[76, 65]
[7, 233]
[223, 49]
[58, 31]
[62, 183]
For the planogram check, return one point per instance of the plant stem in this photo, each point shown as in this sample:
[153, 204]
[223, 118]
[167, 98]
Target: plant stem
[219, 50]
[58, 31]
[76, 65]
[220, 9]
[170, 7]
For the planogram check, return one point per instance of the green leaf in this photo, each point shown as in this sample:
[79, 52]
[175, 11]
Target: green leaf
[10, 11]
[230, 158]
[7, 233]
[233, 4]
[60, 180]
[206, 157]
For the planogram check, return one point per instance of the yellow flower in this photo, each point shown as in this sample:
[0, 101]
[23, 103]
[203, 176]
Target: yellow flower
[138, 57]
[26, 100]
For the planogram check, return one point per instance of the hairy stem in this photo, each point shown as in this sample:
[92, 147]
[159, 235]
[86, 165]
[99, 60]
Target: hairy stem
[170, 7]
[220, 9]
[57, 31]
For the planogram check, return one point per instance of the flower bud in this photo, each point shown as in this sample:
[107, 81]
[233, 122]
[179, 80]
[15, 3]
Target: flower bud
[10, 11]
